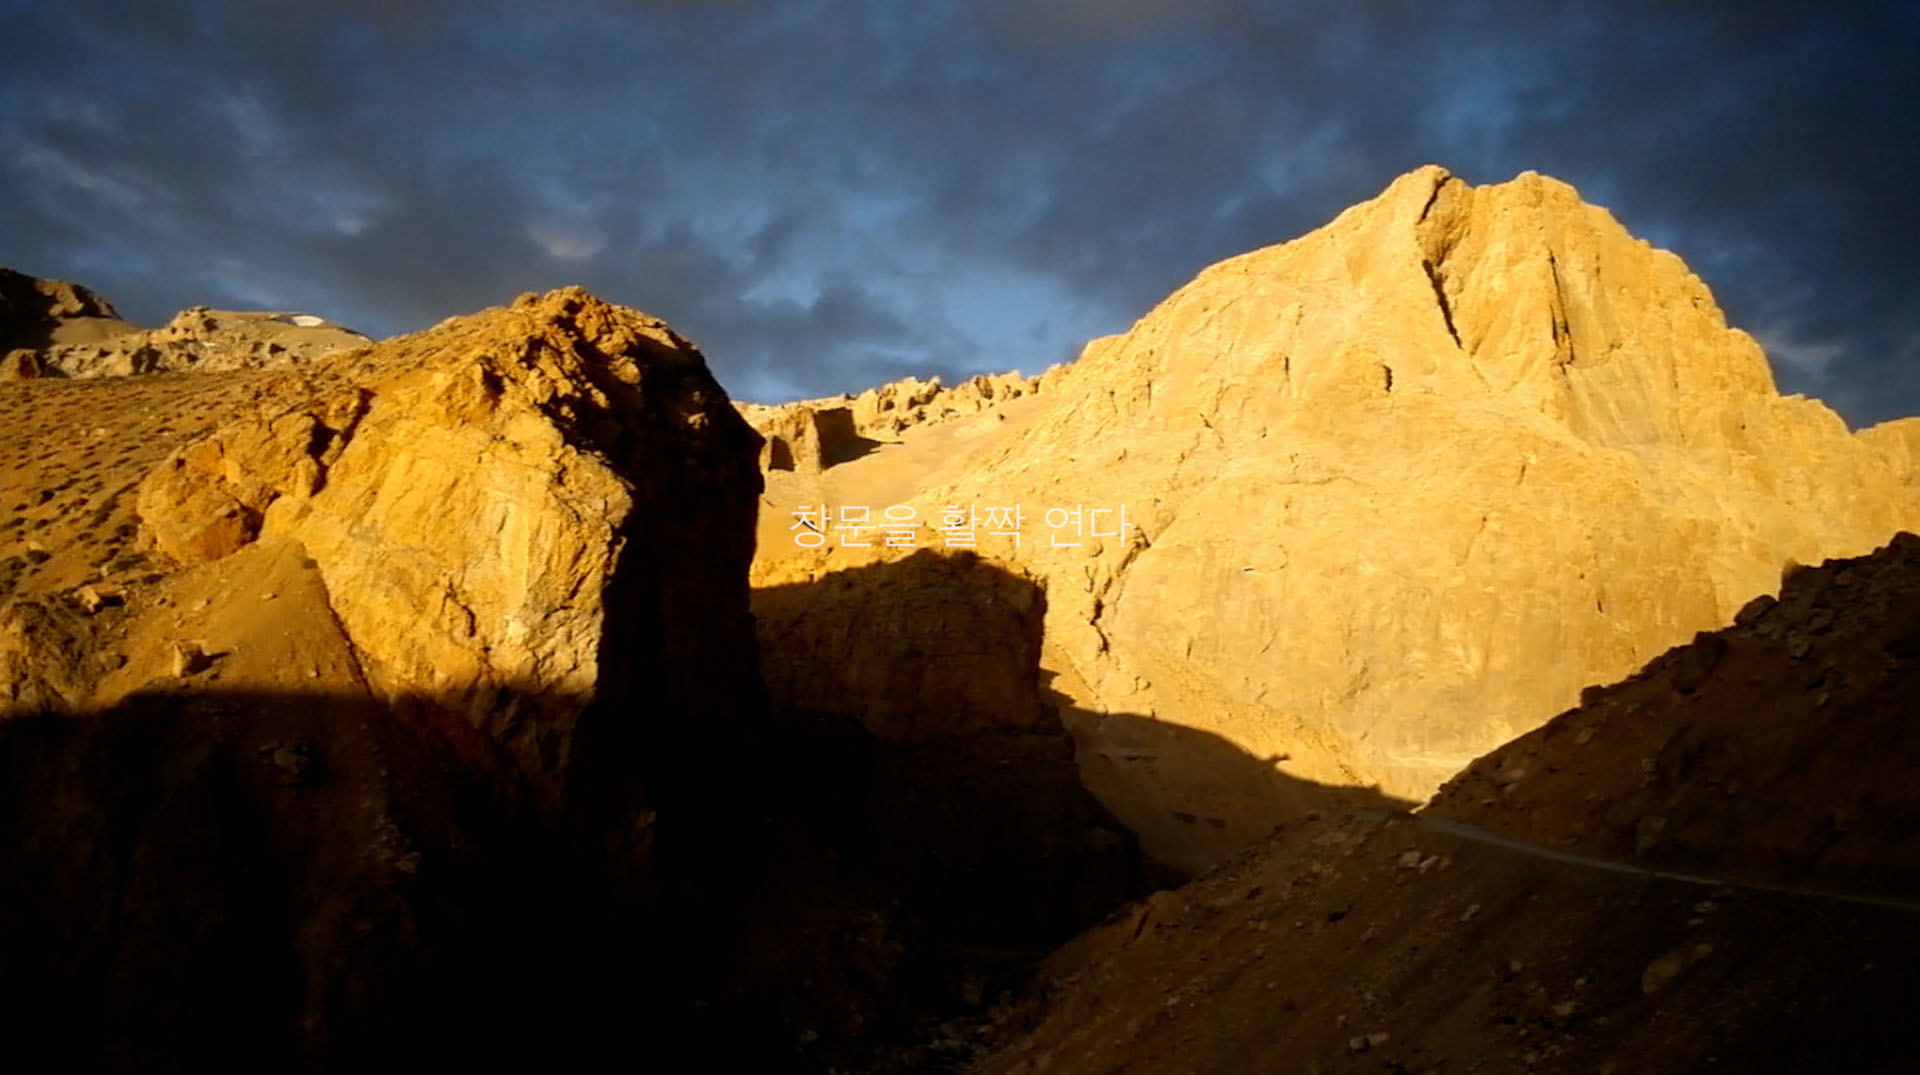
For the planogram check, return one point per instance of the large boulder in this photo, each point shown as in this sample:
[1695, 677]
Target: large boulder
[495, 506]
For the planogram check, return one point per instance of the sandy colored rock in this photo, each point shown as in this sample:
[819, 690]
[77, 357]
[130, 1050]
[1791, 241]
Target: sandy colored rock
[815, 433]
[1394, 493]
[20, 364]
[42, 658]
[1897, 442]
[1414, 479]
[209, 498]
[468, 494]
[69, 331]
[910, 402]
[202, 340]
[804, 436]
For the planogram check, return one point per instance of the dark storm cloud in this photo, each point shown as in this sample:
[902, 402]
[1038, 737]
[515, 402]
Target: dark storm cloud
[825, 194]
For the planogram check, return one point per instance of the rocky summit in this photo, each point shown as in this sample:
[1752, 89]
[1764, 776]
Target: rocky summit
[1394, 492]
[1429, 644]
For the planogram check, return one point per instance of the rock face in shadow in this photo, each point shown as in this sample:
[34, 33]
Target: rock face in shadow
[1397, 490]
[35, 312]
[912, 690]
[403, 706]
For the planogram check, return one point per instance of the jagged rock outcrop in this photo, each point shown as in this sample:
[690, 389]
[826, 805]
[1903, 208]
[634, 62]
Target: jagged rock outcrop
[1415, 479]
[906, 403]
[804, 436]
[812, 434]
[20, 364]
[59, 328]
[36, 312]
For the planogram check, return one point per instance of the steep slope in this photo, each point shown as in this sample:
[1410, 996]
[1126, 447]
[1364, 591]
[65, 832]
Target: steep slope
[1395, 491]
[1787, 943]
[1778, 749]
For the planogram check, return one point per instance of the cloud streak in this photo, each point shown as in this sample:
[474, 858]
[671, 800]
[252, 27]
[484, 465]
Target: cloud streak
[825, 194]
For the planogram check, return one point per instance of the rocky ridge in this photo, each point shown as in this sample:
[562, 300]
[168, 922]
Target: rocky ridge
[816, 433]
[1770, 750]
[53, 328]
[208, 341]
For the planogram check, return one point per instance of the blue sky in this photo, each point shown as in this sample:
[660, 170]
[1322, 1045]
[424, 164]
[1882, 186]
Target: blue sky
[827, 195]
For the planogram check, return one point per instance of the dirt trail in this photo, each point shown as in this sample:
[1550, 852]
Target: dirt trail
[1464, 831]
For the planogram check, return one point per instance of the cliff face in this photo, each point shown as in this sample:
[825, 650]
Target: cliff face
[1395, 490]
[344, 700]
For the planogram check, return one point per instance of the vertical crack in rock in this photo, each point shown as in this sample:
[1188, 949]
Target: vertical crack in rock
[1440, 298]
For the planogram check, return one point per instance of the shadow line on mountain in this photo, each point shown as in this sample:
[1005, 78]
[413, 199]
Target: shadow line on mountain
[939, 655]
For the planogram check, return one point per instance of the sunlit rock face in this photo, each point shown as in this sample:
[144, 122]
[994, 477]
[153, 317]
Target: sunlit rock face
[1406, 484]
[1398, 489]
